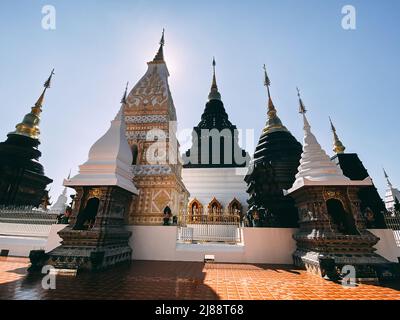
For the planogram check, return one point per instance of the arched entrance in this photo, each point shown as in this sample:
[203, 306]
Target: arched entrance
[343, 220]
[86, 218]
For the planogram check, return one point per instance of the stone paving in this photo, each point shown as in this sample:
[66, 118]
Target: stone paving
[185, 280]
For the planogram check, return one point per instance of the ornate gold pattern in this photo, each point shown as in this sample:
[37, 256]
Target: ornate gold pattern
[95, 193]
[159, 185]
[195, 207]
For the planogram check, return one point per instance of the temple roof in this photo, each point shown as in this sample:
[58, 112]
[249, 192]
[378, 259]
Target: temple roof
[152, 90]
[215, 122]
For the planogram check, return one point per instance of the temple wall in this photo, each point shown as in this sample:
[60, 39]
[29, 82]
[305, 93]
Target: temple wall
[260, 245]
[269, 245]
[20, 241]
[153, 242]
[20, 246]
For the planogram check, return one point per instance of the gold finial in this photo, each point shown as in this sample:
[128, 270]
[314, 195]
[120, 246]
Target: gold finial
[338, 146]
[123, 100]
[302, 108]
[267, 83]
[273, 121]
[160, 53]
[30, 124]
[214, 94]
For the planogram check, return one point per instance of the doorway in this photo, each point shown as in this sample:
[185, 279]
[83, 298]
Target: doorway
[343, 220]
[86, 218]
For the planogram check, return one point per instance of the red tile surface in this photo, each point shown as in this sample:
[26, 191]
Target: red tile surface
[185, 280]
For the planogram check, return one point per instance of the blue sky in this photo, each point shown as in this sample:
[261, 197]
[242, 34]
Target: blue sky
[351, 75]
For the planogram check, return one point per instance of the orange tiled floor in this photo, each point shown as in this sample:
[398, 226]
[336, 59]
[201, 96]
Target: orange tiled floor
[184, 280]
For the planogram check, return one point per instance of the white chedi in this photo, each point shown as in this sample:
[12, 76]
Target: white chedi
[315, 164]
[316, 167]
[110, 160]
[391, 194]
[61, 204]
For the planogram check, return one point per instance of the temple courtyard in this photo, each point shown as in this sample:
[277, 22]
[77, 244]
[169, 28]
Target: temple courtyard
[186, 280]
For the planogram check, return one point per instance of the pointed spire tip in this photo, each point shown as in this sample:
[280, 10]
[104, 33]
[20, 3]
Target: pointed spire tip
[332, 126]
[214, 80]
[162, 41]
[214, 94]
[123, 100]
[159, 57]
[267, 82]
[48, 81]
[302, 108]
[387, 177]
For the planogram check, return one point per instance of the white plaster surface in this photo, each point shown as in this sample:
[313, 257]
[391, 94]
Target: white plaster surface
[224, 184]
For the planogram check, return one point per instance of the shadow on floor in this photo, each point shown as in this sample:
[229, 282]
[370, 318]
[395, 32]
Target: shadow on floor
[136, 280]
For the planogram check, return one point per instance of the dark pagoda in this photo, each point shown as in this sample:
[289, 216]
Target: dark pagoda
[372, 205]
[22, 178]
[215, 138]
[272, 170]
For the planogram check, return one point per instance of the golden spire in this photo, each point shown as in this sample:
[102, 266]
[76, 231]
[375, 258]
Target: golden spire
[160, 53]
[273, 122]
[267, 83]
[214, 94]
[30, 124]
[338, 146]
